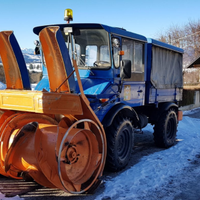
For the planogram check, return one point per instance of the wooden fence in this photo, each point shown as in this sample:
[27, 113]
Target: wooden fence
[191, 99]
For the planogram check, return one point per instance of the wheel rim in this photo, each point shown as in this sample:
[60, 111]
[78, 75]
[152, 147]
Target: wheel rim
[171, 127]
[124, 138]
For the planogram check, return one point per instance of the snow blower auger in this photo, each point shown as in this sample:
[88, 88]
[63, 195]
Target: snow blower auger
[52, 137]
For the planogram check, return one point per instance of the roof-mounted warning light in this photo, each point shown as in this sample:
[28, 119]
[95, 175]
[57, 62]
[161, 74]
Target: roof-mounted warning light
[68, 16]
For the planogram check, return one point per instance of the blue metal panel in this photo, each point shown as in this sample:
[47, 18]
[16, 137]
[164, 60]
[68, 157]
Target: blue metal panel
[96, 89]
[148, 72]
[37, 29]
[97, 73]
[124, 33]
[165, 45]
[101, 113]
[145, 62]
[109, 29]
[91, 86]
[133, 93]
[43, 84]
[94, 86]
[165, 95]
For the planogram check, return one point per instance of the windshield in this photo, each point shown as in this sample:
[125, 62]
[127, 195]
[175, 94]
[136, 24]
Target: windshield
[91, 47]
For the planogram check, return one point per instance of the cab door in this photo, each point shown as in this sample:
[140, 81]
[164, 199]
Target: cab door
[133, 88]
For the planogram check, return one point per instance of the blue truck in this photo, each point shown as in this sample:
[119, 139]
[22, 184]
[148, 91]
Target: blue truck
[129, 80]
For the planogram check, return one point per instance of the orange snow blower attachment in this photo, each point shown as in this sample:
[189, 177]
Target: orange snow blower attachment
[53, 137]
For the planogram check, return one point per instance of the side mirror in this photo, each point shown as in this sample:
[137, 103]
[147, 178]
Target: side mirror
[125, 71]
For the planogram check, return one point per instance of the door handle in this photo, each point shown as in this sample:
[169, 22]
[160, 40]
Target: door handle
[140, 91]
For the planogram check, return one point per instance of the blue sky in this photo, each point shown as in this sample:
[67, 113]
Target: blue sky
[145, 17]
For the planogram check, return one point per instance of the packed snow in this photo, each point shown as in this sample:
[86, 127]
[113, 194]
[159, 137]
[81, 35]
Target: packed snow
[154, 170]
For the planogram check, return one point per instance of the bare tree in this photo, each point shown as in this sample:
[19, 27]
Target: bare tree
[186, 37]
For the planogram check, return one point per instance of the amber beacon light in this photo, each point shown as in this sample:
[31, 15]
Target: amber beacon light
[68, 16]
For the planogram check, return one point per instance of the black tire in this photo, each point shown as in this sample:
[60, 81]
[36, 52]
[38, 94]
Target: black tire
[119, 143]
[165, 129]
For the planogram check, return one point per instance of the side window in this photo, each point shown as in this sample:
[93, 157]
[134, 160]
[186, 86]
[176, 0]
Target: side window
[77, 50]
[128, 48]
[138, 57]
[134, 51]
[91, 55]
[116, 56]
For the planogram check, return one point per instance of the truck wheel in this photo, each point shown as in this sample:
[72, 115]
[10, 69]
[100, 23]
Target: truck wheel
[119, 143]
[165, 129]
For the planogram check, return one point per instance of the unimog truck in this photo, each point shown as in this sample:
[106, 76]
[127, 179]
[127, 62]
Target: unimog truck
[101, 85]
[129, 80]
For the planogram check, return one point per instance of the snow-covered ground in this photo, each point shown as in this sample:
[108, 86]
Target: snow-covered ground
[152, 172]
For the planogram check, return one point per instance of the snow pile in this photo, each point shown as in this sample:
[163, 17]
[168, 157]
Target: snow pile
[2, 86]
[191, 112]
[155, 169]
[31, 58]
[33, 85]
[35, 70]
[27, 51]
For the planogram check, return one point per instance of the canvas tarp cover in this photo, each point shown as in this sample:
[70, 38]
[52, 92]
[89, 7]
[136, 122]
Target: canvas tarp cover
[166, 69]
